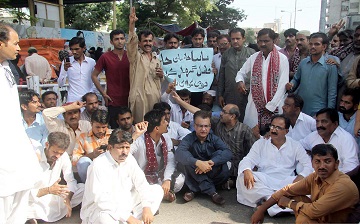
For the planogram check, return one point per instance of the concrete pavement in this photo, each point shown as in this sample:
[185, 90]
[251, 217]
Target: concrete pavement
[202, 210]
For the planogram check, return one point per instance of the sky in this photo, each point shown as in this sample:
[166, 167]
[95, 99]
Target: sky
[266, 11]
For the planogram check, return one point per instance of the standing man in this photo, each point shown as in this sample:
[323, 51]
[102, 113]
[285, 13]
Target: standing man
[268, 71]
[211, 40]
[16, 178]
[302, 43]
[77, 71]
[231, 62]
[116, 65]
[49, 99]
[290, 48]
[146, 73]
[171, 41]
[204, 157]
[37, 65]
[315, 80]
[125, 119]
[223, 43]
[52, 201]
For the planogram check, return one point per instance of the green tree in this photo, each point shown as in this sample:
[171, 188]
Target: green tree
[89, 16]
[222, 17]
[250, 37]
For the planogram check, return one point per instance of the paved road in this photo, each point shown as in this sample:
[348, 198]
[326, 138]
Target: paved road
[202, 211]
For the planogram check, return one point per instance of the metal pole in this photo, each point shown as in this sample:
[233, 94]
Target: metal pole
[322, 21]
[295, 14]
[61, 14]
[114, 15]
[290, 19]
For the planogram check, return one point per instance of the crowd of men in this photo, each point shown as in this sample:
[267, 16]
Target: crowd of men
[277, 124]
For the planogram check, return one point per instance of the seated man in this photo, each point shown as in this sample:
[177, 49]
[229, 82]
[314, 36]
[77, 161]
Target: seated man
[91, 104]
[71, 125]
[209, 98]
[116, 189]
[90, 145]
[125, 119]
[329, 131]
[178, 113]
[276, 160]
[175, 131]
[33, 122]
[49, 99]
[153, 152]
[204, 157]
[301, 124]
[348, 107]
[52, 201]
[333, 194]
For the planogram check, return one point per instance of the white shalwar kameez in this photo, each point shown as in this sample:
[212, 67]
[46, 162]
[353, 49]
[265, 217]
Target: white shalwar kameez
[251, 114]
[50, 207]
[19, 166]
[115, 191]
[275, 170]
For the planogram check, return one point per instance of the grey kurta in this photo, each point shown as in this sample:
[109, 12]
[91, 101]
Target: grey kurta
[231, 62]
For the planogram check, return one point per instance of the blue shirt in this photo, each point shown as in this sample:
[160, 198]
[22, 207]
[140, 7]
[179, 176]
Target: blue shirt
[37, 130]
[316, 83]
[349, 125]
[191, 149]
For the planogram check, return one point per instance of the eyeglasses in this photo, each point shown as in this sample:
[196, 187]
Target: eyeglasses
[9, 77]
[277, 128]
[223, 44]
[206, 126]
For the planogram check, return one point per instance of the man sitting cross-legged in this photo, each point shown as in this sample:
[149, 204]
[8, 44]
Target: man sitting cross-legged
[204, 157]
[333, 194]
[116, 190]
[276, 160]
[153, 152]
[51, 201]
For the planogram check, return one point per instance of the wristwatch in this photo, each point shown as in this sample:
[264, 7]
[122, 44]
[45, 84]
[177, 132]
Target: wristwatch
[289, 204]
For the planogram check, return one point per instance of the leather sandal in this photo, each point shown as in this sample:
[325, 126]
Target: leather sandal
[170, 196]
[188, 196]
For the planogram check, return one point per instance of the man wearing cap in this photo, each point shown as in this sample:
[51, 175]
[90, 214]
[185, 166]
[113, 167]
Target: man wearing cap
[71, 125]
[209, 99]
[37, 65]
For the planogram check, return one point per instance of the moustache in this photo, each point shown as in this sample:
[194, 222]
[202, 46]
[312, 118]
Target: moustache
[322, 170]
[321, 128]
[147, 45]
[274, 133]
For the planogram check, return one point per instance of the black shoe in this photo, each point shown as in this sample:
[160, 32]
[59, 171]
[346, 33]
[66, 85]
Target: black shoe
[217, 199]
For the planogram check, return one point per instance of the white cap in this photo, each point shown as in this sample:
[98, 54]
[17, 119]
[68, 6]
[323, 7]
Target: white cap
[210, 92]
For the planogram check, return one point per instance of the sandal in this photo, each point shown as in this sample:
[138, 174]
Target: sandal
[188, 196]
[170, 196]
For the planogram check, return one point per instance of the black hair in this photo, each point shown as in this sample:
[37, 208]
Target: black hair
[84, 98]
[202, 114]
[162, 106]
[281, 116]
[204, 106]
[145, 33]
[4, 32]
[348, 33]
[169, 36]
[100, 116]
[197, 31]
[153, 117]
[77, 40]
[237, 30]
[298, 100]
[222, 36]
[119, 136]
[123, 110]
[183, 93]
[48, 93]
[116, 32]
[267, 31]
[323, 150]
[25, 97]
[354, 93]
[187, 40]
[323, 36]
[212, 34]
[331, 113]
[290, 31]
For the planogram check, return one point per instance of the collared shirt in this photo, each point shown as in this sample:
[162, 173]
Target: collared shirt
[87, 117]
[286, 52]
[331, 198]
[19, 165]
[176, 112]
[145, 85]
[251, 114]
[345, 144]
[231, 62]
[303, 127]
[191, 149]
[86, 143]
[277, 163]
[55, 124]
[138, 150]
[239, 138]
[349, 125]
[37, 130]
[175, 131]
[352, 80]
[37, 65]
[79, 77]
[108, 188]
[317, 84]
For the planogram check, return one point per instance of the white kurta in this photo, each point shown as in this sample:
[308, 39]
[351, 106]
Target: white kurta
[19, 166]
[275, 169]
[116, 189]
[138, 150]
[251, 115]
[345, 144]
[50, 207]
[176, 113]
[303, 127]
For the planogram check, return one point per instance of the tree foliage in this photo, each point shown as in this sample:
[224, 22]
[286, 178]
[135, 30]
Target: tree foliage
[250, 37]
[222, 17]
[88, 16]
